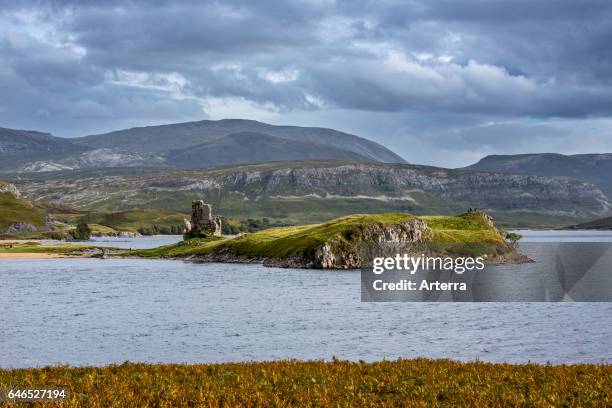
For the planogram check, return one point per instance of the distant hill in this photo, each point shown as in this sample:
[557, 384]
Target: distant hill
[19, 146]
[165, 138]
[594, 168]
[185, 145]
[601, 224]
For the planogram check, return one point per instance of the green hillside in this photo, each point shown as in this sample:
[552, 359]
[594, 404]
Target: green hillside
[18, 210]
[135, 220]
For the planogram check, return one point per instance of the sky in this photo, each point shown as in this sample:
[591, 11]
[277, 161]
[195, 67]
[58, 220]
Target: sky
[440, 82]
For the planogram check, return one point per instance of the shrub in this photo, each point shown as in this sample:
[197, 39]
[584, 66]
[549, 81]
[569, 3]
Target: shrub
[82, 232]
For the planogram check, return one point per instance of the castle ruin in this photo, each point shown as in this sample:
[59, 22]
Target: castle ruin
[203, 224]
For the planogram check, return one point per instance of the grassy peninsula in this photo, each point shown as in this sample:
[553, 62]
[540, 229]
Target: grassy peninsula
[413, 383]
[340, 239]
[335, 244]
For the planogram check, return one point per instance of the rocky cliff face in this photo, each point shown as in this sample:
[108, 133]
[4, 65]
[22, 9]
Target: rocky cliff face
[491, 191]
[343, 251]
[98, 158]
[347, 253]
[367, 187]
[592, 168]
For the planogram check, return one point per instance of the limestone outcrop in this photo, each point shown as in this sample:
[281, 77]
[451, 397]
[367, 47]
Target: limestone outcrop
[346, 251]
[9, 188]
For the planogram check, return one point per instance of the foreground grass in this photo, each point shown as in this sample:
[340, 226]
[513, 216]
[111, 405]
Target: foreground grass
[329, 384]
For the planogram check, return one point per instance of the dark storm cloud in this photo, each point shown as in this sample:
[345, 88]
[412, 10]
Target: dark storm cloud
[80, 66]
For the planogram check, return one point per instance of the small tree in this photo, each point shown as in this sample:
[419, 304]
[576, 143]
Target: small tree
[513, 238]
[82, 232]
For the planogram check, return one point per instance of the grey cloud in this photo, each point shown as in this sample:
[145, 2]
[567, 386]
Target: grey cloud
[425, 68]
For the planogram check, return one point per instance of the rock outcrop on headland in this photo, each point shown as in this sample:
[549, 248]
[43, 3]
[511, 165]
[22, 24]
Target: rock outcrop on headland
[345, 251]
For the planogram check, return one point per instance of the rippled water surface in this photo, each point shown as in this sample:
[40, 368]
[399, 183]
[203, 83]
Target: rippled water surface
[94, 312]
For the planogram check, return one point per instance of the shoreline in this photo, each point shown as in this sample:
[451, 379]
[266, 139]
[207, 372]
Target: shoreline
[292, 262]
[37, 255]
[304, 361]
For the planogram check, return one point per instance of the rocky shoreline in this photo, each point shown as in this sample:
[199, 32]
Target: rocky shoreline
[302, 263]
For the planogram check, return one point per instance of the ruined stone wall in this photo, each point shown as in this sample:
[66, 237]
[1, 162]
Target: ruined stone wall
[203, 223]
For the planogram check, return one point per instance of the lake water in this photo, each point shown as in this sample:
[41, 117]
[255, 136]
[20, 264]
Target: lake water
[138, 242]
[141, 242]
[96, 312]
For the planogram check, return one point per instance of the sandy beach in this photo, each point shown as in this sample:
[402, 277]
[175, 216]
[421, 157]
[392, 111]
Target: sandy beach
[32, 255]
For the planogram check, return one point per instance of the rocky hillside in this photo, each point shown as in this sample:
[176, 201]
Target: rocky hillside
[300, 192]
[592, 168]
[16, 213]
[22, 146]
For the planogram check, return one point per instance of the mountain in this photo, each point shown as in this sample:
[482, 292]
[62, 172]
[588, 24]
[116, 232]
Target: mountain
[184, 145]
[165, 138]
[311, 191]
[19, 146]
[593, 168]
[251, 147]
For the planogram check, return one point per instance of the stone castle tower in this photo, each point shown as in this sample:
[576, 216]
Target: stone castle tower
[203, 223]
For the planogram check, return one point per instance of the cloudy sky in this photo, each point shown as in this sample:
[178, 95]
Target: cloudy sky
[439, 82]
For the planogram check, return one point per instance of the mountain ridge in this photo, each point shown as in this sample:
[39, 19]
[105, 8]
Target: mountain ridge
[169, 146]
[595, 168]
[312, 191]
[258, 147]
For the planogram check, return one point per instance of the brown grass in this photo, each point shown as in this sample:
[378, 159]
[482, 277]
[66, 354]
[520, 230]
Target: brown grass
[418, 383]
